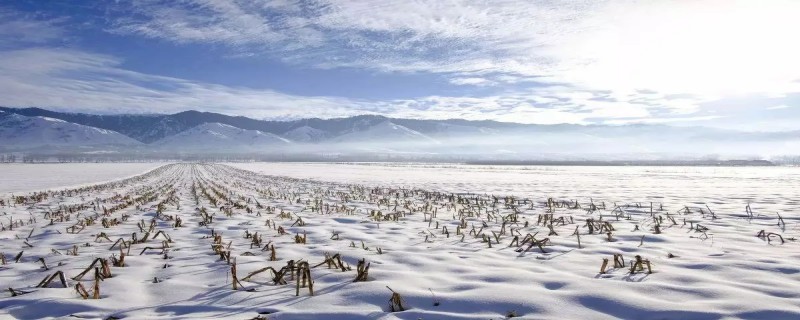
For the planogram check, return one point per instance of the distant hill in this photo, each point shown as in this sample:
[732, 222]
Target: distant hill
[213, 137]
[150, 128]
[205, 132]
[18, 132]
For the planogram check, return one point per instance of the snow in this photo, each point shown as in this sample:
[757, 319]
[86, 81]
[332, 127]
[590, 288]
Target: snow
[724, 272]
[17, 131]
[17, 177]
[454, 130]
[385, 131]
[306, 134]
[51, 119]
[384, 137]
[218, 136]
[718, 185]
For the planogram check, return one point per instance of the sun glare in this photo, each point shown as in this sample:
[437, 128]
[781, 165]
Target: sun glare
[716, 48]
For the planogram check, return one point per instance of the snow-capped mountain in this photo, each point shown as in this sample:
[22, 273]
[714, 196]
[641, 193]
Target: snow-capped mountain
[306, 134]
[456, 130]
[204, 132]
[149, 128]
[385, 131]
[214, 137]
[21, 132]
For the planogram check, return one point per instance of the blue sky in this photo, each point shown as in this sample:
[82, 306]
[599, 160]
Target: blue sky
[726, 64]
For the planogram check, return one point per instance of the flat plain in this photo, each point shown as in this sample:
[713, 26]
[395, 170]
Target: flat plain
[400, 241]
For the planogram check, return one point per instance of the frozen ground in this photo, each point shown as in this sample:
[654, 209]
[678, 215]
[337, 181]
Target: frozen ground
[450, 256]
[16, 177]
[771, 189]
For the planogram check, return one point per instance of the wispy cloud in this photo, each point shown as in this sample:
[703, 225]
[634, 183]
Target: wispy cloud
[700, 47]
[79, 81]
[779, 107]
[682, 120]
[18, 28]
[474, 81]
[609, 62]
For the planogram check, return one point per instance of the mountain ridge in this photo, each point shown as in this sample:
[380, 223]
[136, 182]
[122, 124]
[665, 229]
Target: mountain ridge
[145, 127]
[38, 132]
[195, 131]
[218, 136]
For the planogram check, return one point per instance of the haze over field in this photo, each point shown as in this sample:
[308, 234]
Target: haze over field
[191, 133]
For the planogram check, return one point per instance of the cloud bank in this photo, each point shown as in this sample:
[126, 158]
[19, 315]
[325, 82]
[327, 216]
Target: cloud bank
[604, 62]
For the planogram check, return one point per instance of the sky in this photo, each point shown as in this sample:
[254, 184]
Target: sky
[728, 64]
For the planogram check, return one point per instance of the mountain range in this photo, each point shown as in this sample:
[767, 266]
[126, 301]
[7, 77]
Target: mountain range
[19, 130]
[36, 129]
[149, 128]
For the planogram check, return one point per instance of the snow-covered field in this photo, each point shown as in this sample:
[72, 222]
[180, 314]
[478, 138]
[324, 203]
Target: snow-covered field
[449, 255]
[16, 177]
[772, 189]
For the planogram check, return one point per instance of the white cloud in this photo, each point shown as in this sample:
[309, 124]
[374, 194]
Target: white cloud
[710, 47]
[75, 80]
[678, 120]
[78, 81]
[779, 107]
[18, 29]
[473, 81]
[549, 62]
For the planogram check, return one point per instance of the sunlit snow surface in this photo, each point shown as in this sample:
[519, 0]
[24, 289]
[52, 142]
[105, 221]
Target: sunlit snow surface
[730, 273]
[769, 188]
[18, 177]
